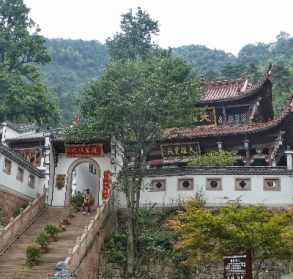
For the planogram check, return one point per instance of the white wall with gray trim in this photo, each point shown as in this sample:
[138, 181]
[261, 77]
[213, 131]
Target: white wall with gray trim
[9, 182]
[256, 195]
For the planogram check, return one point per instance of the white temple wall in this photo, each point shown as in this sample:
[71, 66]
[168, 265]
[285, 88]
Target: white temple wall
[9, 181]
[62, 167]
[257, 195]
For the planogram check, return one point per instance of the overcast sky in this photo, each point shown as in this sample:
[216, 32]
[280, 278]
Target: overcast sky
[221, 24]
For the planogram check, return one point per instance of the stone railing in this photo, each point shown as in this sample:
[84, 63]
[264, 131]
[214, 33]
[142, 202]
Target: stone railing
[18, 225]
[84, 242]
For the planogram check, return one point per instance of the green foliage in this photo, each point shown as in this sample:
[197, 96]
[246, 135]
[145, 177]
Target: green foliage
[18, 210]
[73, 64]
[214, 158]
[42, 239]
[135, 40]
[115, 247]
[33, 255]
[76, 201]
[136, 99]
[23, 95]
[206, 236]
[52, 230]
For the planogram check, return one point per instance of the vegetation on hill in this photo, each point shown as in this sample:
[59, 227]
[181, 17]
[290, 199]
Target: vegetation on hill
[74, 63]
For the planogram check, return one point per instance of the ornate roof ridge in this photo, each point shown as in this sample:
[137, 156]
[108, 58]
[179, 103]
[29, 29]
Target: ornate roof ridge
[249, 128]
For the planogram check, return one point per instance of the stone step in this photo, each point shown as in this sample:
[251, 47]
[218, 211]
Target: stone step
[12, 263]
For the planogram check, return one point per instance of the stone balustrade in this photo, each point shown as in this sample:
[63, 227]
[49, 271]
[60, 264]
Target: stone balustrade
[84, 242]
[19, 224]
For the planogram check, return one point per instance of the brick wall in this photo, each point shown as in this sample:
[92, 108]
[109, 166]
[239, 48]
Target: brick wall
[9, 202]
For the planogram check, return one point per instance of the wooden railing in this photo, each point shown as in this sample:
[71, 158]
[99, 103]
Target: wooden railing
[84, 242]
[18, 225]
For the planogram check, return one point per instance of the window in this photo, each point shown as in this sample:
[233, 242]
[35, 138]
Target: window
[242, 184]
[158, 185]
[92, 169]
[185, 184]
[31, 181]
[214, 184]
[20, 173]
[272, 184]
[7, 166]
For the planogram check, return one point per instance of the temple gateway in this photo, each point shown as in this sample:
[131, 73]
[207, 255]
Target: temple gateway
[232, 115]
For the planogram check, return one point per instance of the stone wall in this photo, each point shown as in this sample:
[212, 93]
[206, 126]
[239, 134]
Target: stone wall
[271, 270]
[9, 202]
[89, 268]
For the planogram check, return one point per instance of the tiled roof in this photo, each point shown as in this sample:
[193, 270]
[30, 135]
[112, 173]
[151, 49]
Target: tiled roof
[19, 160]
[224, 90]
[178, 171]
[250, 128]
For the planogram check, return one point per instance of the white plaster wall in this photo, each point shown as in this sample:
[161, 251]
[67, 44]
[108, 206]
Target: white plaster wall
[64, 163]
[9, 181]
[85, 179]
[217, 198]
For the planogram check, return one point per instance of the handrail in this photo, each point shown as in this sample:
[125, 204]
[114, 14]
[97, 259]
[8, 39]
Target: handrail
[19, 224]
[84, 242]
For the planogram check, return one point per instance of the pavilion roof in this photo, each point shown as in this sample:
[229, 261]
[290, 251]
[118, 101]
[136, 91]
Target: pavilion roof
[249, 128]
[228, 90]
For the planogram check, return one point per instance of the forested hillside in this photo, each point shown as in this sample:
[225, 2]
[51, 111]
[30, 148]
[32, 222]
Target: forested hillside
[76, 62]
[73, 64]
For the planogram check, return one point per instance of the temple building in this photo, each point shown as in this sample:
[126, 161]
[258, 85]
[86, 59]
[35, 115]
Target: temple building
[233, 115]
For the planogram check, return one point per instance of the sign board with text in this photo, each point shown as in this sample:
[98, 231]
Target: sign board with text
[238, 267]
[84, 150]
[180, 150]
[204, 117]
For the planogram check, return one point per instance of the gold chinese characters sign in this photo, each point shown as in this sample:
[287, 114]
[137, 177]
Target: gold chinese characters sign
[204, 117]
[84, 150]
[180, 150]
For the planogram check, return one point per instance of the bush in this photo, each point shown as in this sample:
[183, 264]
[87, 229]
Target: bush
[33, 255]
[76, 201]
[115, 247]
[43, 240]
[214, 159]
[52, 230]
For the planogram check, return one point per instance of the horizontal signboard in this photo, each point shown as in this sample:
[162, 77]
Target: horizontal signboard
[84, 150]
[179, 150]
[204, 117]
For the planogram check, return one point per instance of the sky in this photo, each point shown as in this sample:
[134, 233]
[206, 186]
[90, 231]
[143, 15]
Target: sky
[220, 24]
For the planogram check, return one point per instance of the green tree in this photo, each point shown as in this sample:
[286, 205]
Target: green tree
[214, 158]
[135, 40]
[23, 95]
[206, 236]
[133, 101]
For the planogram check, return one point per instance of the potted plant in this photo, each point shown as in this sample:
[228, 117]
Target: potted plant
[33, 255]
[52, 231]
[43, 240]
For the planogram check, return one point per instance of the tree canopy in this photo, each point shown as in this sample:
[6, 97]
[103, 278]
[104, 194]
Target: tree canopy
[205, 236]
[23, 95]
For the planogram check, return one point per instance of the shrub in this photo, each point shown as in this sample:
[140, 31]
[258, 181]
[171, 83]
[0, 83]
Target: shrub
[43, 240]
[76, 201]
[115, 247]
[214, 159]
[33, 255]
[52, 230]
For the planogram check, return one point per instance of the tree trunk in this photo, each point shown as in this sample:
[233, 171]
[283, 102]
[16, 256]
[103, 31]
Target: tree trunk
[130, 243]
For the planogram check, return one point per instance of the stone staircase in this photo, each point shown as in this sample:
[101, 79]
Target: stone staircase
[12, 262]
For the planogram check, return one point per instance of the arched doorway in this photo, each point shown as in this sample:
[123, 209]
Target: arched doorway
[76, 171]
